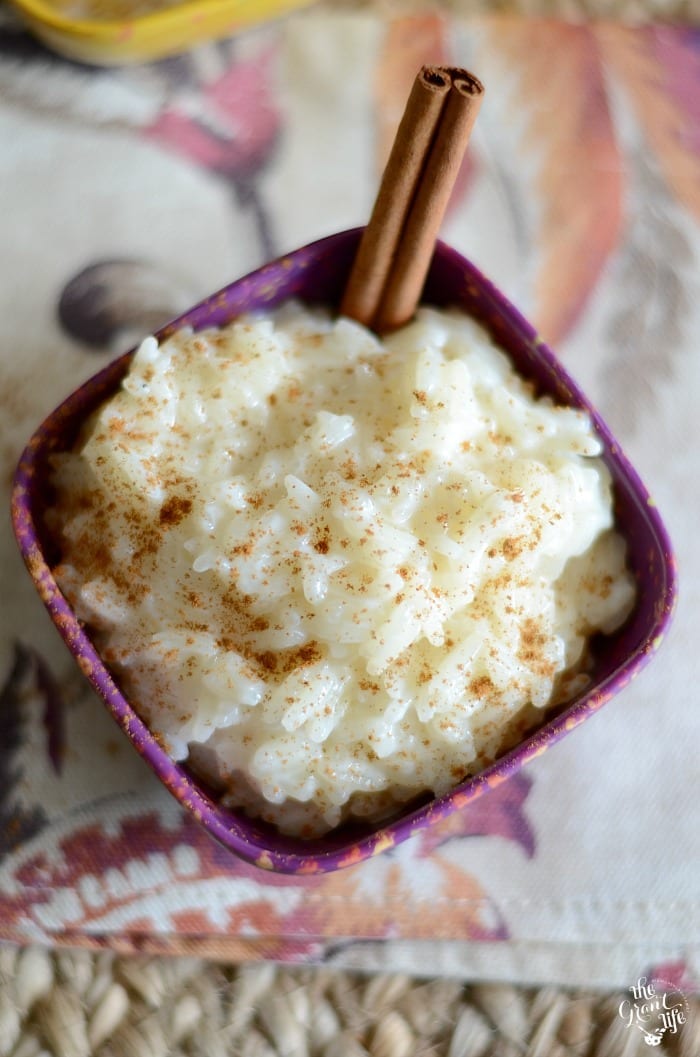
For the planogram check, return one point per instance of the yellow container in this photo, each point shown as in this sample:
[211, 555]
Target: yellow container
[115, 32]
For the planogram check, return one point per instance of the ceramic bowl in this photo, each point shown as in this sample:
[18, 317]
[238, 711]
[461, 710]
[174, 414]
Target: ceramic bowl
[316, 274]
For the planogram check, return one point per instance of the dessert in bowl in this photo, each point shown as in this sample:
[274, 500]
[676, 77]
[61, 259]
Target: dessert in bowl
[316, 275]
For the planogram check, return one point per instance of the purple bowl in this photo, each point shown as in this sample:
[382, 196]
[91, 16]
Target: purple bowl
[317, 274]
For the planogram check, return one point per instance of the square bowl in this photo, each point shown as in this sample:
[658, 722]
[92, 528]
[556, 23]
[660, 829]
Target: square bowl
[316, 274]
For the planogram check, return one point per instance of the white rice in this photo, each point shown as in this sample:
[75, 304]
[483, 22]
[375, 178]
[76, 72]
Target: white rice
[337, 571]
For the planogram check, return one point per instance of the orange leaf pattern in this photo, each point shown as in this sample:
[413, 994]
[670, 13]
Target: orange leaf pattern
[559, 98]
[660, 68]
[407, 44]
[401, 909]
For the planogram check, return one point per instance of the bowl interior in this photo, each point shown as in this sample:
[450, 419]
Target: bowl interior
[316, 274]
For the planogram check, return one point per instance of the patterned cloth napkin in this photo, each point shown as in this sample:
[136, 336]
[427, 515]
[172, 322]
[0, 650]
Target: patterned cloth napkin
[129, 194]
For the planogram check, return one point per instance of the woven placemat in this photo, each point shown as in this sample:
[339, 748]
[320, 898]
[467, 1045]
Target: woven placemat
[79, 1004]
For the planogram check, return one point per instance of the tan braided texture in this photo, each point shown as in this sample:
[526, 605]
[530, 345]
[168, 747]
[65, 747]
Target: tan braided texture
[99, 1005]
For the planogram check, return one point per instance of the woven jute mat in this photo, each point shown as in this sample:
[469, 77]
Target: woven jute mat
[79, 1004]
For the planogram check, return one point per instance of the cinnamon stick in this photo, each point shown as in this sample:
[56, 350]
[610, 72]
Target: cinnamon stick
[392, 262]
[397, 190]
[410, 267]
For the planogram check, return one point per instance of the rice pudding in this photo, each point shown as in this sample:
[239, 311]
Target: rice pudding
[334, 571]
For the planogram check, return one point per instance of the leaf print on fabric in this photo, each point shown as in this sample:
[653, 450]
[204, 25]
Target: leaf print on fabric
[229, 125]
[557, 98]
[652, 278]
[113, 303]
[498, 813]
[145, 874]
[409, 43]
[142, 874]
[398, 894]
[213, 108]
[404, 891]
[18, 824]
[54, 718]
[659, 66]
[406, 874]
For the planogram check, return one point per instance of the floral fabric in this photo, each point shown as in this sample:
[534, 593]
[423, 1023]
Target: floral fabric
[129, 194]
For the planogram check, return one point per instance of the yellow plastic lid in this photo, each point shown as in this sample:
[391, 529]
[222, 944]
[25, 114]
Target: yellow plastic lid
[115, 32]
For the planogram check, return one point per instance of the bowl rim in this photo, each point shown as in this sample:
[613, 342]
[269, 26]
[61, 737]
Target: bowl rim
[221, 823]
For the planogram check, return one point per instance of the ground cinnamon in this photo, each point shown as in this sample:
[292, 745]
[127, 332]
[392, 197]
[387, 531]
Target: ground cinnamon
[392, 261]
